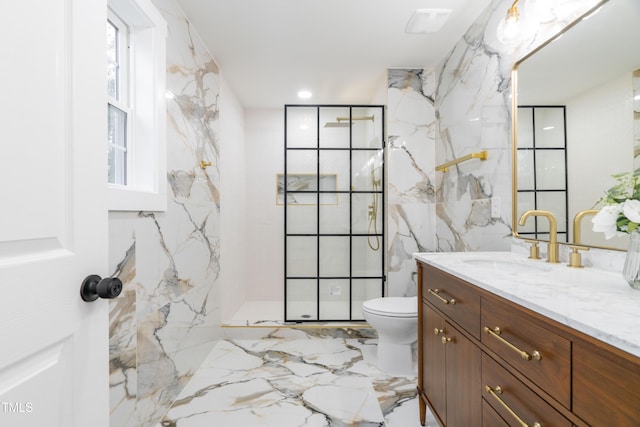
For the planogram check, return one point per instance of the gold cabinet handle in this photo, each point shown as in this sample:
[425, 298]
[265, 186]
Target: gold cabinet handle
[495, 332]
[436, 293]
[446, 340]
[437, 331]
[498, 390]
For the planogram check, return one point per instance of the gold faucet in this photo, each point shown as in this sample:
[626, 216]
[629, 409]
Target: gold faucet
[534, 250]
[575, 258]
[552, 249]
[577, 220]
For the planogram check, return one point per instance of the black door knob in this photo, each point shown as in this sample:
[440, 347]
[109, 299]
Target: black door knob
[94, 287]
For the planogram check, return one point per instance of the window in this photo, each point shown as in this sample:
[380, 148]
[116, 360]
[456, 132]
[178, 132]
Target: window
[136, 106]
[117, 99]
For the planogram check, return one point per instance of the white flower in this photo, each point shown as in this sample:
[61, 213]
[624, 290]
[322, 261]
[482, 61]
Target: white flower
[631, 209]
[605, 220]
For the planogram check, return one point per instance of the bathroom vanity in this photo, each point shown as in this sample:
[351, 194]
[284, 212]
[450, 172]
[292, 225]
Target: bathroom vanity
[507, 341]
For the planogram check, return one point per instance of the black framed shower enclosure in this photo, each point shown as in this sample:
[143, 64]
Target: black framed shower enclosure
[332, 192]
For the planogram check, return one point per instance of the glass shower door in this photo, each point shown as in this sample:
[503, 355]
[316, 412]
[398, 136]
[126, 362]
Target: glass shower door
[333, 185]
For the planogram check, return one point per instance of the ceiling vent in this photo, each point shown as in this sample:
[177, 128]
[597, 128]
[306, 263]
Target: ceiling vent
[425, 21]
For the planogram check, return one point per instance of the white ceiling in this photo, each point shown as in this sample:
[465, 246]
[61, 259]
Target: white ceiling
[268, 50]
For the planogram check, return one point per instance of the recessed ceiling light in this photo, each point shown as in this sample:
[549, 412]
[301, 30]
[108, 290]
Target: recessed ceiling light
[425, 21]
[304, 94]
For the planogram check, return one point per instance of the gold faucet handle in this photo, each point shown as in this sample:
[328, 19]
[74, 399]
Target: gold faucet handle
[534, 251]
[575, 257]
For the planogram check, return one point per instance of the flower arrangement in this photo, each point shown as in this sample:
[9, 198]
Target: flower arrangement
[620, 211]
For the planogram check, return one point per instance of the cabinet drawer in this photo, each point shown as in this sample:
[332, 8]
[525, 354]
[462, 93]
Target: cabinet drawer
[606, 390]
[490, 417]
[536, 352]
[453, 297]
[511, 399]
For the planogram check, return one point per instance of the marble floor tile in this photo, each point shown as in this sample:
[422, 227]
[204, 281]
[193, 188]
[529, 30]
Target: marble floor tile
[306, 381]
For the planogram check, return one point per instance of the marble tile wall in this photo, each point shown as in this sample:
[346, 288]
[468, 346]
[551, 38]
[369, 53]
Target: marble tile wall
[434, 116]
[411, 180]
[168, 319]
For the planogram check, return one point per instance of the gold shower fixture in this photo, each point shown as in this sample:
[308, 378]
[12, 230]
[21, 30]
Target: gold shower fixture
[357, 118]
[343, 122]
[373, 241]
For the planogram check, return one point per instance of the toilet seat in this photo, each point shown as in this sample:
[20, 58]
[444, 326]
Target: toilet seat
[392, 306]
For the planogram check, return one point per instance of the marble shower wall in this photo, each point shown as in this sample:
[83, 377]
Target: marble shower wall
[434, 116]
[411, 185]
[168, 318]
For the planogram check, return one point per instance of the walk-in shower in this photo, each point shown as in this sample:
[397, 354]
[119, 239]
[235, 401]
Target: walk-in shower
[332, 191]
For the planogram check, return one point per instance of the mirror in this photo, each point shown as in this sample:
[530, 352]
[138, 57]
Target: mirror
[574, 126]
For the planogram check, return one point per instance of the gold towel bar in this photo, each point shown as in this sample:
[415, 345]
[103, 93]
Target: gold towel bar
[482, 155]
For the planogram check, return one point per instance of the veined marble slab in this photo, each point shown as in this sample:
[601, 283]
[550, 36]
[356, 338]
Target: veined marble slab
[306, 381]
[248, 329]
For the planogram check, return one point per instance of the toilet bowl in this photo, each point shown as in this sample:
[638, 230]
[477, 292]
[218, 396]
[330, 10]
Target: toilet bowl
[396, 321]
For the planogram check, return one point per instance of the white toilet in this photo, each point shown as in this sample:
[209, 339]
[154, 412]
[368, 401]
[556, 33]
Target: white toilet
[396, 321]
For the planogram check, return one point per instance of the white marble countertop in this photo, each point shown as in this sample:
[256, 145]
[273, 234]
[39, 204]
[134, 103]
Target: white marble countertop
[596, 302]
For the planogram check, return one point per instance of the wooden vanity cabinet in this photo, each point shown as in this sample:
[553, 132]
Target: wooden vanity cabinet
[452, 370]
[526, 369]
[606, 386]
[547, 356]
[450, 366]
[455, 299]
[432, 367]
[502, 390]
[490, 418]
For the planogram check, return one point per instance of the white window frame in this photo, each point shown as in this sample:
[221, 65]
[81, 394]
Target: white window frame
[146, 188]
[121, 99]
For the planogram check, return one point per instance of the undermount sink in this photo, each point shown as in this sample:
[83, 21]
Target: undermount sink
[508, 266]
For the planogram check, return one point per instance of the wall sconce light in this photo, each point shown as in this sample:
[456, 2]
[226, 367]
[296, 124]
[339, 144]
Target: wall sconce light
[508, 27]
[516, 26]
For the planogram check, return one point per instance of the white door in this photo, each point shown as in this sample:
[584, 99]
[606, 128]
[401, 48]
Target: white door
[53, 220]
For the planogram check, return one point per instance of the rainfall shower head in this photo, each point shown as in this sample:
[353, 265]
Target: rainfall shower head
[343, 122]
[337, 124]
